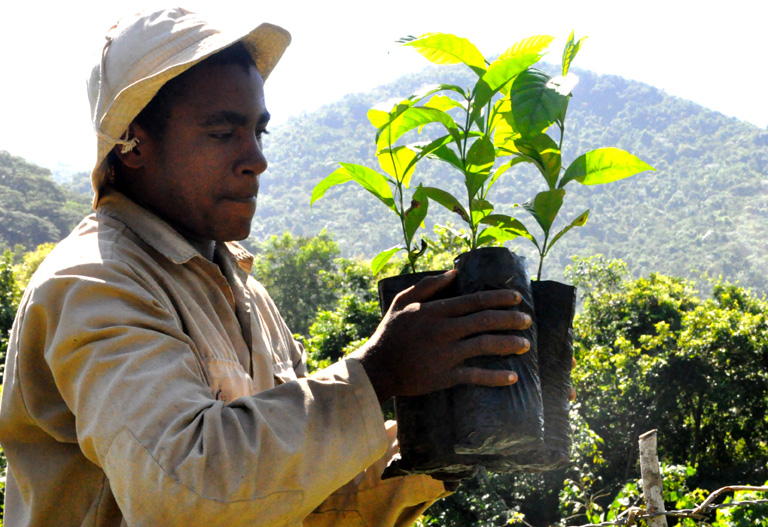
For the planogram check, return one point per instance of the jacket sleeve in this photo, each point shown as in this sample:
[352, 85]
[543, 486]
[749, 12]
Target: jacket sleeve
[370, 501]
[173, 454]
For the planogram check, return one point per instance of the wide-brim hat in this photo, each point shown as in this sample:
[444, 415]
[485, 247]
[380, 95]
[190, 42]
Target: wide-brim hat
[144, 51]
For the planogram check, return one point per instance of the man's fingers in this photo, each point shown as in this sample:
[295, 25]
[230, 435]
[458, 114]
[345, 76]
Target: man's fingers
[492, 320]
[481, 377]
[475, 302]
[489, 345]
[425, 289]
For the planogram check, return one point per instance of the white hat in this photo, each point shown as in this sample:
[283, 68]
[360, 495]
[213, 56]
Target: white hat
[146, 50]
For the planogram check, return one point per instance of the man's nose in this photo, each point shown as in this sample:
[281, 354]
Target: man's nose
[253, 162]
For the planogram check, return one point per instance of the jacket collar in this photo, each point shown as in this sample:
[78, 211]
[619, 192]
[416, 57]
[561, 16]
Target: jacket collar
[159, 234]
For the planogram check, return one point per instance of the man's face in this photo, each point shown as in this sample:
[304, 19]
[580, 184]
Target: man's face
[203, 175]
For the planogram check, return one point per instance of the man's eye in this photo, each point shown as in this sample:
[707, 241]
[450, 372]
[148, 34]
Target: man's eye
[220, 135]
[261, 133]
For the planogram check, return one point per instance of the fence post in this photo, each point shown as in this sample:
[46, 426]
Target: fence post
[653, 488]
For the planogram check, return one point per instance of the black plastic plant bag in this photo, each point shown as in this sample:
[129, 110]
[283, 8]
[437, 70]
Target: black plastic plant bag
[555, 307]
[499, 421]
[448, 434]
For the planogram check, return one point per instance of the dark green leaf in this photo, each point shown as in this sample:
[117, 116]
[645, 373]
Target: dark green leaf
[603, 166]
[512, 62]
[543, 150]
[480, 159]
[509, 225]
[535, 104]
[447, 200]
[545, 206]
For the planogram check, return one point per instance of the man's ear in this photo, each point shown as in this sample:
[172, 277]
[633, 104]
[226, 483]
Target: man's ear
[133, 156]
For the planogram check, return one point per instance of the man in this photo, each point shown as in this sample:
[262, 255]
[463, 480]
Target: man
[150, 381]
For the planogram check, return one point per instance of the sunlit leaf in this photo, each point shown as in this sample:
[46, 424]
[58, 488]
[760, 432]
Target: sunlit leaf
[535, 105]
[563, 85]
[580, 220]
[570, 51]
[371, 181]
[381, 259]
[409, 119]
[415, 214]
[545, 206]
[444, 48]
[337, 177]
[603, 166]
[397, 162]
[443, 102]
[447, 200]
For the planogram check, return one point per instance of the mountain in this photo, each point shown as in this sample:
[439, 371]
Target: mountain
[34, 209]
[705, 209]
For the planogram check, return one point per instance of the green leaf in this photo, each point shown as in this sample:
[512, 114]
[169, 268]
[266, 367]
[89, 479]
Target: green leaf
[443, 102]
[603, 165]
[371, 181]
[444, 48]
[480, 209]
[337, 177]
[570, 52]
[543, 150]
[397, 162]
[508, 65]
[545, 206]
[415, 214]
[409, 119]
[447, 200]
[444, 153]
[580, 220]
[509, 225]
[480, 159]
[382, 258]
[504, 167]
[535, 104]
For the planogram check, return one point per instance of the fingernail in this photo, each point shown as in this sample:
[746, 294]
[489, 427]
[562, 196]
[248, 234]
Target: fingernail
[512, 378]
[527, 320]
[526, 345]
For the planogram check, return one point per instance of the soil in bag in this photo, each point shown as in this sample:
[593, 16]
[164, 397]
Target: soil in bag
[424, 429]
[499, 421]
[555, 307]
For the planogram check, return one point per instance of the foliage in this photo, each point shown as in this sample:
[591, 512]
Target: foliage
[30, 261]
[9, 302]
[706, 162]
[653, 354]
[33, 208]
[506, 114]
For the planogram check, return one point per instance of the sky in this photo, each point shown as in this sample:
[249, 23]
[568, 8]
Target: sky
[711, 53]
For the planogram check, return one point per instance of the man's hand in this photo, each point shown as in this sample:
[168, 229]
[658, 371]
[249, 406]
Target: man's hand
[420, 346]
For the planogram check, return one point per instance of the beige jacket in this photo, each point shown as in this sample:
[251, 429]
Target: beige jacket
[147, 386]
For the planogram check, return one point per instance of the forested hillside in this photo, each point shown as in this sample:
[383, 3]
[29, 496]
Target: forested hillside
[704, 210]
[33, 208]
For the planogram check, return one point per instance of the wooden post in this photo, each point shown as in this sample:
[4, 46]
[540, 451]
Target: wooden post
[653, 488]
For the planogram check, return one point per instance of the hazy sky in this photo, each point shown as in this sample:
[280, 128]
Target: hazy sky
[712, 53]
